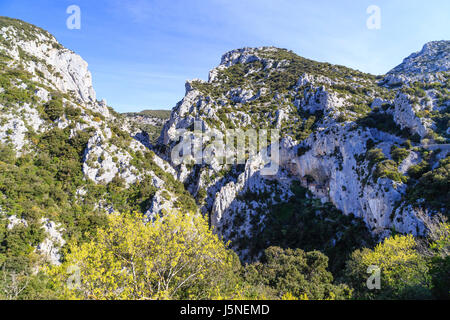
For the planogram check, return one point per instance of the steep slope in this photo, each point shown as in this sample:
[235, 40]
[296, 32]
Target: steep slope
[429, 64]
[363, 143]
[67, 159]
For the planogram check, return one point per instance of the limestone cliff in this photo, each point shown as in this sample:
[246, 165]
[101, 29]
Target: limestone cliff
[332, 121]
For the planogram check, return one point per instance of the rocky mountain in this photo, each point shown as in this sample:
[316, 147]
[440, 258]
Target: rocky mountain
[68, 154]
[352, 139]
[360, 155]
[428, 64]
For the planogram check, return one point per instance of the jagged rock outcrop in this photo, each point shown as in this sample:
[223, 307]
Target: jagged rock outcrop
[427, 64]
[51, 246]
[333, 171]
[54, 65]
[405, 116]
[331, 120]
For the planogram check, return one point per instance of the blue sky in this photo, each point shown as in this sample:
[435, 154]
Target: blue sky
[141, 52]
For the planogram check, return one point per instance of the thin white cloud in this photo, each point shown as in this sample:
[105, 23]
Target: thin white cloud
[137, 10]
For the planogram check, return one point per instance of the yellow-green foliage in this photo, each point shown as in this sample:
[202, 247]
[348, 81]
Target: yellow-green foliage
[404, 272]
[173, 257]
[399, 261]
[441, 242]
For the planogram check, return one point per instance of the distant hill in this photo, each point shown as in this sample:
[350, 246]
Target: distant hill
[150, 121]
[158, 114]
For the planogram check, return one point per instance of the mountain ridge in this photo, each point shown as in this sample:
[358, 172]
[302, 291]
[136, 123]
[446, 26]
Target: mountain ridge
[353, 141]
[334, 100]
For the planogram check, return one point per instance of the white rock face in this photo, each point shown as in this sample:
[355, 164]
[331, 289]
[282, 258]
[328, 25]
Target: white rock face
[434, 57]
[14, 128]
[333, 167]
[63, 69]
[340, 178]
[320, 100]
[412, 159]
[405, 116]
[148, 120]
[231, 201]
[108, 161]
[14, 221]
[50, 247]
[53, 69]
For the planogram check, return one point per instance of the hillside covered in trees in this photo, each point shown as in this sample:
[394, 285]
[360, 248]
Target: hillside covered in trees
[92, 206]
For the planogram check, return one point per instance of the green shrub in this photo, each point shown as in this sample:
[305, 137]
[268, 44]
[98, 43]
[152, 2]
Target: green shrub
[433, 186]
[295, 272]
[375, 155]
[399, 154]
[383, 122]
[388, 169]
[72, 113]
[418, 170]
[54, 108]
